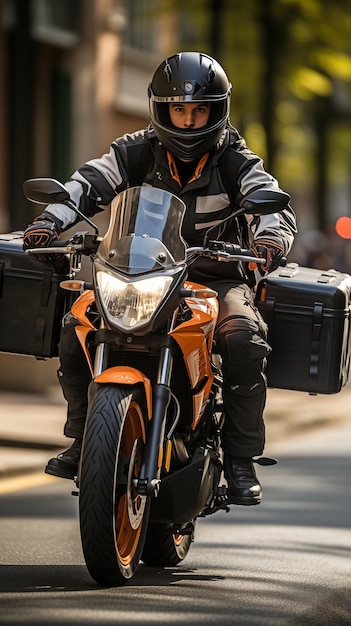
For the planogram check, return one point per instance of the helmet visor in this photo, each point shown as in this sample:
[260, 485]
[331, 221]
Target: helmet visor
[159, 111]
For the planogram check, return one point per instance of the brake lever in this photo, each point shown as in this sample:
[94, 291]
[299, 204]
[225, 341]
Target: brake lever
[245, 258]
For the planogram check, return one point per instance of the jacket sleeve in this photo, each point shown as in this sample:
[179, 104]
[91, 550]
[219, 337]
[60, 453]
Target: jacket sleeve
[94, 185]
[279, 226]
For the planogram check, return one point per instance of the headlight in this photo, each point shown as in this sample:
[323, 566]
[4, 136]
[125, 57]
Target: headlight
[131, 304]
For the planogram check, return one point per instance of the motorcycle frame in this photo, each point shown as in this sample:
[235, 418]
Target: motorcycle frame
[194, 337]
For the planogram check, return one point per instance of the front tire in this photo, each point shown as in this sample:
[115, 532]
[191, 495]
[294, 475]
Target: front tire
[163, 547]
[113, 517]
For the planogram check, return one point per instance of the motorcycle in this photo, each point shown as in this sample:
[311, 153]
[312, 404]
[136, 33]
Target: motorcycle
[151, 461]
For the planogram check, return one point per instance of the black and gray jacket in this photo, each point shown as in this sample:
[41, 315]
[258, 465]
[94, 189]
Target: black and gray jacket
[140, 159]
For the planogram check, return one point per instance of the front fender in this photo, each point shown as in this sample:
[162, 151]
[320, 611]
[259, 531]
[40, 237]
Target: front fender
[124, 375]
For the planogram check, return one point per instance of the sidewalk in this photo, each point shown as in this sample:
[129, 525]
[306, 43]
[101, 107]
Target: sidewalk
[31, 424]
[30, 430]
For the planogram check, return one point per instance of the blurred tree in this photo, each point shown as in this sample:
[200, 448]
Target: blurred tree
[216, 15]
[321, 59]
[290, 64]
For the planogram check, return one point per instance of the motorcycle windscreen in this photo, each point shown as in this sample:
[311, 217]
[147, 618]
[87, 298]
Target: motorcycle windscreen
[144, 233]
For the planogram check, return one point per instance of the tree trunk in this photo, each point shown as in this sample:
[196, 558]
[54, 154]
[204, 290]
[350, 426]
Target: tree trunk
[269, 52]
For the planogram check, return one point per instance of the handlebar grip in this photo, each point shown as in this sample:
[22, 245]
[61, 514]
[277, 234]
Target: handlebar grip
[234, 248]
[253, 264]
[58, 243]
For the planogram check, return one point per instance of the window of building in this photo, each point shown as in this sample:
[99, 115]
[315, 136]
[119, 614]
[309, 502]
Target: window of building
[56, 23]
[140, 20]
[138, 56]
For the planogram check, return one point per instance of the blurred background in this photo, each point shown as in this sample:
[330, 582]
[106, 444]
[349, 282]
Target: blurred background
[74, 76]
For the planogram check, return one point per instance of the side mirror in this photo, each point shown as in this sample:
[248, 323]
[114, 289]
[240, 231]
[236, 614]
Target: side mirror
[51, 191]
[259, 202]
[263, 202]
[45, 191]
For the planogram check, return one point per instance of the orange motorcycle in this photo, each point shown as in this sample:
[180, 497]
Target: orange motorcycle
[151, 461]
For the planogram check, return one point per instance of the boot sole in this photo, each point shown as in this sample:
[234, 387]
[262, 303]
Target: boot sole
[60, 473]
[244, 501]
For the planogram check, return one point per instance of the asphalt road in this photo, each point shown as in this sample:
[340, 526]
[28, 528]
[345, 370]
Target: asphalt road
[285, 562]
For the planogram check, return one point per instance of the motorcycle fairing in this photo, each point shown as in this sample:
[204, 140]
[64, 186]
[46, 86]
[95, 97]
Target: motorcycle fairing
[195, 339]
[140, 264]
[80, 307]
[79, 310]
[144, 232]
[82, 333]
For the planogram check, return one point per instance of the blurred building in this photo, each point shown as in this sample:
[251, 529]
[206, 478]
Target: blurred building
[73, 76]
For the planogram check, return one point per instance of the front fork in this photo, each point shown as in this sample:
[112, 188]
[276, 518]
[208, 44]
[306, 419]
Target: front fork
[148, 481]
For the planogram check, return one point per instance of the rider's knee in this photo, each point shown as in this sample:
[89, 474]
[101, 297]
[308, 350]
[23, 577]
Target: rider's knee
[240, 341]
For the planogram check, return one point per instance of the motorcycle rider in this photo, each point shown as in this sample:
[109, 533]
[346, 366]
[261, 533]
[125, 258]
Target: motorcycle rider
[190, 149]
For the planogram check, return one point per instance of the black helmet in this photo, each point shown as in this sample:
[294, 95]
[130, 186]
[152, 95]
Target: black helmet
[189, 77]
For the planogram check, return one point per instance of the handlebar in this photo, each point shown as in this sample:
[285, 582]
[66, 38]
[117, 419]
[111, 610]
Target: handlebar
[81, 243]
[222, 251]
[84, 243]
[231, 249]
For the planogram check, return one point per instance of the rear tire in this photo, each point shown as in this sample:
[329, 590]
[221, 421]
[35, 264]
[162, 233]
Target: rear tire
[163, 547]
[113, 517]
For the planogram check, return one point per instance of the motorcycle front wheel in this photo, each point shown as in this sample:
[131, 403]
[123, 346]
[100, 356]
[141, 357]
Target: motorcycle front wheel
[113, 517]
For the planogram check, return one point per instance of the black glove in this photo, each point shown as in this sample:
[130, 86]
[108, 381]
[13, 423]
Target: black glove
[41, 233]
[269, 249]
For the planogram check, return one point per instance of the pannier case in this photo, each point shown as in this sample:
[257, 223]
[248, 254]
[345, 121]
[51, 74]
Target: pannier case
[308, 315]
[32, 302]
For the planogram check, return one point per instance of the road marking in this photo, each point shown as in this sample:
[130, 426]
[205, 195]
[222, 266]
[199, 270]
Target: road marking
[25, 481]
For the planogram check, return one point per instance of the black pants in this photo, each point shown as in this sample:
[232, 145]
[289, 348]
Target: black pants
[241, 341]
[74, 377]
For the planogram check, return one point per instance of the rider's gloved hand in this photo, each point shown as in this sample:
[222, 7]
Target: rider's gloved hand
[269, 249]
[41, 233]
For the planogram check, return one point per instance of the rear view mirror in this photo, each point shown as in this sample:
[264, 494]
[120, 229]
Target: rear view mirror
[45, 191]
[264, 201]
[51, 191]
[258, 202]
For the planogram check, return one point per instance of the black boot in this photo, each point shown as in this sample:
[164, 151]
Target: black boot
[65, 464]
[243, 485]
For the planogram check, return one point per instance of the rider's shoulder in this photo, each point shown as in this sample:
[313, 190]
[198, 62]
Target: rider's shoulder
[231, 141]
[142, 136]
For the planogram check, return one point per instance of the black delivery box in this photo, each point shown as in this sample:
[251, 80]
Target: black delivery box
[308, 315]
[32, 302]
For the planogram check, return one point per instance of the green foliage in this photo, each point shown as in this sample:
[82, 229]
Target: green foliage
[290, 65]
